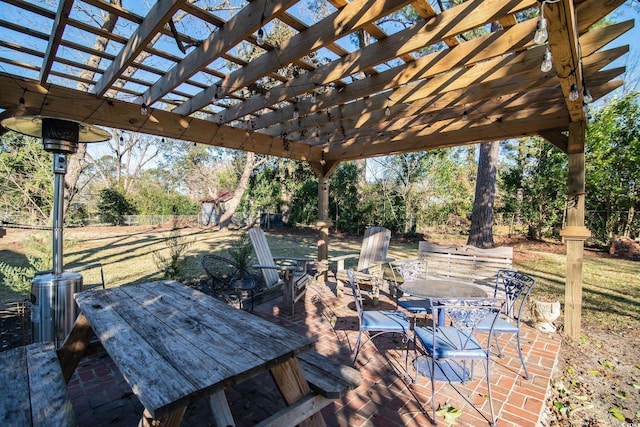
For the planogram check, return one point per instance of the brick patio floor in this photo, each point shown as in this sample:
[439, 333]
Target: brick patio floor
[101, 397]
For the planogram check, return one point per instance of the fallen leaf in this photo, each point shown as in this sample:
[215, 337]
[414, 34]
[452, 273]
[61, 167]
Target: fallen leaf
[616, 413]
[608, 364]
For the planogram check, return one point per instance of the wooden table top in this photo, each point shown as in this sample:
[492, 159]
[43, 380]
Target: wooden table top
[174, 344]
[442, 288]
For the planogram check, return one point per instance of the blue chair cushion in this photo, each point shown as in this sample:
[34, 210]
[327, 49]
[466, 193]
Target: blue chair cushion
[417, 306]
[449, 343]
[502, 325]
[385, 320]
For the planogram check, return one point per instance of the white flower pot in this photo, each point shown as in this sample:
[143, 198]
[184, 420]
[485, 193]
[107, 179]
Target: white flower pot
[544, 313]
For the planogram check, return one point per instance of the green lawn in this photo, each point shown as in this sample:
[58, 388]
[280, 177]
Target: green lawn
[611, 289]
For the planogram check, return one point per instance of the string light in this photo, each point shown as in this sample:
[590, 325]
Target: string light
[296, 113]
[586, 95]
[542, 34]
[573, 93]
[547, 64]
[314, 98]
[465, 115]
[21, 101]
[143, 109]
[260, 38]
[387, 111]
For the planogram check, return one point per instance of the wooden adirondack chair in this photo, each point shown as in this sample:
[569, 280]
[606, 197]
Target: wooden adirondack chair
[289, 272]
[371, 261]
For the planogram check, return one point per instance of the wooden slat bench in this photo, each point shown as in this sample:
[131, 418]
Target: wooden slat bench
[466, 263]
[328, 379]
[34, 391]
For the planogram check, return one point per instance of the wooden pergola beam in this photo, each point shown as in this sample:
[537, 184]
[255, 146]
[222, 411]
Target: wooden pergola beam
[62, 15]
[430, 65]
[564, 46]
[238, 28]
[451, 22]
[157, 17]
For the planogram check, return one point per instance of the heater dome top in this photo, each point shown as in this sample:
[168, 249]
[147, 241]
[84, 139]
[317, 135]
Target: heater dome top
[33, 126]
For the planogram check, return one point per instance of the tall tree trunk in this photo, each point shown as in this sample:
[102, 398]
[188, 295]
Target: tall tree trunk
[481, 233]
[231, 206]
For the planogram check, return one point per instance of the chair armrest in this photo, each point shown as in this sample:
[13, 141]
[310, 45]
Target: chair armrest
[343, 257]
[340, 260]
[84, 267]
[277, 267]
[87, 286]
[293, 259]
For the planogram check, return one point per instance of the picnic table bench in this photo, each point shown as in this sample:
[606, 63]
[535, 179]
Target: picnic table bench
[34, 391]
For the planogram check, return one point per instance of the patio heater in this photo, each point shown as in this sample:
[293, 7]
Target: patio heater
[53, 309]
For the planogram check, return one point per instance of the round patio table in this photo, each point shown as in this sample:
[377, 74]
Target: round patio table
[435, 289]
[442, 288]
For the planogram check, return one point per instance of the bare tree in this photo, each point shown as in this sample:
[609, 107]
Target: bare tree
[252, 162]
[130, 155]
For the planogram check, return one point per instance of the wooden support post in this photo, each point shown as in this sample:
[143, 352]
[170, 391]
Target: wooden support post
[575, 233]
[323, 225]
[322, 171]
[288, 292]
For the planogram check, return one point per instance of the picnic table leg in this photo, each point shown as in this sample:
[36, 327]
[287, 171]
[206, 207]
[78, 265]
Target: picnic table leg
[172, 420]
[290, 380]
[75, 346]
[220, 409]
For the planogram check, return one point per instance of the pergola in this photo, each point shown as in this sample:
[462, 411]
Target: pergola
[306, 91]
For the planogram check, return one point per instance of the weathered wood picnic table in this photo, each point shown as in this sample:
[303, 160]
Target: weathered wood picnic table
[174, 345]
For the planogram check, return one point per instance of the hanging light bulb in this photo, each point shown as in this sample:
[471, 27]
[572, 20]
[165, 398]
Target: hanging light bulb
[296, 113]
[143, 109]
[585, 108]
[21, 105]
[121, 140]
[387, 111]
[573, 93]
[541, 34]
[586, 95]
[547, 64]
[260, 38]
[465, 115]
[314, 98]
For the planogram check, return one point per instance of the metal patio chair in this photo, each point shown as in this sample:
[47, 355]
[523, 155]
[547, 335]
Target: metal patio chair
[378, 322]
[517, 287]
[447, 348]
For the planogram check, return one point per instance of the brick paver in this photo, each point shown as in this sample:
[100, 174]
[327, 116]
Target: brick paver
[101, 397]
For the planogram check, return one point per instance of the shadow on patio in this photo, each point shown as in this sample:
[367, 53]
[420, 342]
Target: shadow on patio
[101, 397]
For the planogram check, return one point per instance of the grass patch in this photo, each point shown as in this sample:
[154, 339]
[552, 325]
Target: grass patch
[610, 292]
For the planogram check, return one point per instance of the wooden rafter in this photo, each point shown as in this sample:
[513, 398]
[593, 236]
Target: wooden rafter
[156, 19]
[64, 7]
